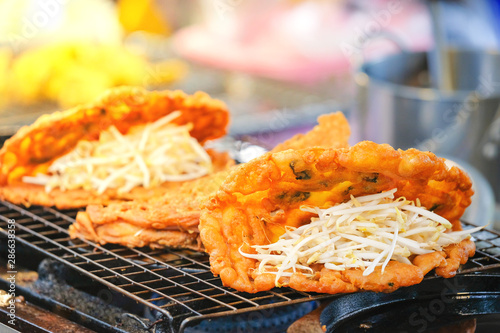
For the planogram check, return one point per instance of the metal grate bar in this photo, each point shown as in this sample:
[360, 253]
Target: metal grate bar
[58, 214]
[88, 261]
[184, 287]
[281, 296]
[190, 259]
[487, 255]
[170, 287]
[85, 272]
[48, 240]
[90, 253]
[135, 255]
[199, 280]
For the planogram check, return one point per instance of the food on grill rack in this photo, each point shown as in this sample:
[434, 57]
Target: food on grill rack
[157, 221]
[338, 220]
[129, 144]
[170, 220]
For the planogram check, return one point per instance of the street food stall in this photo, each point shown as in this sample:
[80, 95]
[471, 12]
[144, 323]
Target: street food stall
[239, 166]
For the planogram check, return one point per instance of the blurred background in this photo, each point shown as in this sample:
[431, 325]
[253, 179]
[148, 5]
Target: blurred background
[411, 73]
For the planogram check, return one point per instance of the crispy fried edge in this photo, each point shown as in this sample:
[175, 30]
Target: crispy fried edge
[154, 239]
[332, 131]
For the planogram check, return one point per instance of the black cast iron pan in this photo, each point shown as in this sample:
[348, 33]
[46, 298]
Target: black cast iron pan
[426, 307]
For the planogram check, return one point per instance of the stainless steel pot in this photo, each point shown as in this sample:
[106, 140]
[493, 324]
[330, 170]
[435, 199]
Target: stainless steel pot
[396, 105]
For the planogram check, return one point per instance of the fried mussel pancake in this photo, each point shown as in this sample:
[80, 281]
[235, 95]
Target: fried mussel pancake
[179, 210]
[259, 199]
[34, 148]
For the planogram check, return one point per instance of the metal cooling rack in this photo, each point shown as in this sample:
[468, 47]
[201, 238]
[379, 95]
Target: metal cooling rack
[178, 284]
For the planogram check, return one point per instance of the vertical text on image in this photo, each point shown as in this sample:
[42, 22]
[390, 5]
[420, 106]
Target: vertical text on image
[11, 269]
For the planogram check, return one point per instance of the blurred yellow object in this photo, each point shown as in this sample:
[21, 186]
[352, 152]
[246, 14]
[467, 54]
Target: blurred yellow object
[75, 73]
[166, 71]
[142, 16]
[5, 59]
[28, 23]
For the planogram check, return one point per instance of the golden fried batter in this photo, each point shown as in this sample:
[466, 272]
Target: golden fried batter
[258, 199]
[179, 209]
[31, 194]
[33, 148]
[162, 219]
[134, 236]
[332, 131]
[456, 255]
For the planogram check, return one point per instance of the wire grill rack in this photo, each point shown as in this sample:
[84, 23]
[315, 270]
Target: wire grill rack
[178, 284]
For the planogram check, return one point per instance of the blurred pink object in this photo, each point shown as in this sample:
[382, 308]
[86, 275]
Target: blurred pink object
[305, 42]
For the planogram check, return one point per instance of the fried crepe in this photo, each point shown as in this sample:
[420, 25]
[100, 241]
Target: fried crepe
[169, 220]
[179, 210]
[33, 149]
[262, 203]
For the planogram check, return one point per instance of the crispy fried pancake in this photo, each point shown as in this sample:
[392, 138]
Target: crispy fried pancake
[258, 199]
[33, 148]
